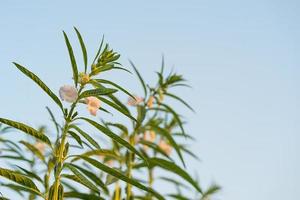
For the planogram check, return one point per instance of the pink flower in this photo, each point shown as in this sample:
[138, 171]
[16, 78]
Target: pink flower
[149, 136]
[93, 105]
[40, 146]
[165, 147]
[134, 101]
[68, 93]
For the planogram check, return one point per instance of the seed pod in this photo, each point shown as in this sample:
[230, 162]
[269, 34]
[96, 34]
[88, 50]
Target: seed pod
[51, 192]
[60, 192]
[66, 150]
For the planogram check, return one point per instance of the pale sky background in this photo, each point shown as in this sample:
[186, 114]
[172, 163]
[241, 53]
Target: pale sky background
[241, 57]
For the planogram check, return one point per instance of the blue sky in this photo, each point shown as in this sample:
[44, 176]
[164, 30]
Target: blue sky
[241, 57]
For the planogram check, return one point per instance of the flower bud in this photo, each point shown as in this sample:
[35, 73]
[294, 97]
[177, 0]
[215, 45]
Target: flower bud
[150, 101]
[84, 78]
[134, 101]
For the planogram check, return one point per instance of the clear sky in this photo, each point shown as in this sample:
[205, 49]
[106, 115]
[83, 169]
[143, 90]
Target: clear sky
[241, 57]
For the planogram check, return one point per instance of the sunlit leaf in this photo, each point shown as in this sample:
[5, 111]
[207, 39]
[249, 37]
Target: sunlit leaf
[27, 129]
[114, 137]
[72, 59]
[82, 178]
[140, 78]
[38, 81]
[83, 49]
[121, 176]
[86, 136]
[19, 178]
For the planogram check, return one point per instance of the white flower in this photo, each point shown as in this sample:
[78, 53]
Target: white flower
[93, 105]
[68, 93]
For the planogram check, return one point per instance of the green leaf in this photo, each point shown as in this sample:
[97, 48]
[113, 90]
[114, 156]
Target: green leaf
[181, 100]
[86, 136]
[27, 129]
[18, 178]
[82, 45]
[38, 81]
[33, 149]
[117, 107]
[99, 49]
[93, 177]
[53, 120]
[210, 191]
[140, 78]
[97, 92]
[76, 137]
[178, 197]
[155, 147]
[72, 58]
[100, 152]
[170, 139]
[121, 176]
[115, 85]
[119, 126]
[115, 137]
[141, 111]
[16, 158]
[172, 167]
[83, 196]
[82, 178]
[176, 116]
[19, 188]
[175, 182]
[31, 174]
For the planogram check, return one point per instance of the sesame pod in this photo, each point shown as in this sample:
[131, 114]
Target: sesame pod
[51, 192]
[60, 192]
[66, 150]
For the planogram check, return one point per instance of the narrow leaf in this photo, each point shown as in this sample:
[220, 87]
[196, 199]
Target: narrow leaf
[97, 92]
[38, 81]
[113, 136]
[27, 129]
[72, 58]
[83, 48]
[140, 77]
[121, 176]
[86, 136]
[18, 178]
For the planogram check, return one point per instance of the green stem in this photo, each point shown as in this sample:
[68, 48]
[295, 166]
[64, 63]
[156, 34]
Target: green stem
[129, 168]
[60, 160]
[61, 147]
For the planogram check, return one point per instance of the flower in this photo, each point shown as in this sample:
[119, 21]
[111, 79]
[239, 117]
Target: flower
[110, 163]
[68, 93]
[93, 105]
[149, 136]
[136, 139]
[150, 101]
[40, 146]
[165, 147]
[134, 101]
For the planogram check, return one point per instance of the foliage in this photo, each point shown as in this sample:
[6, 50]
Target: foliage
[73, 163]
